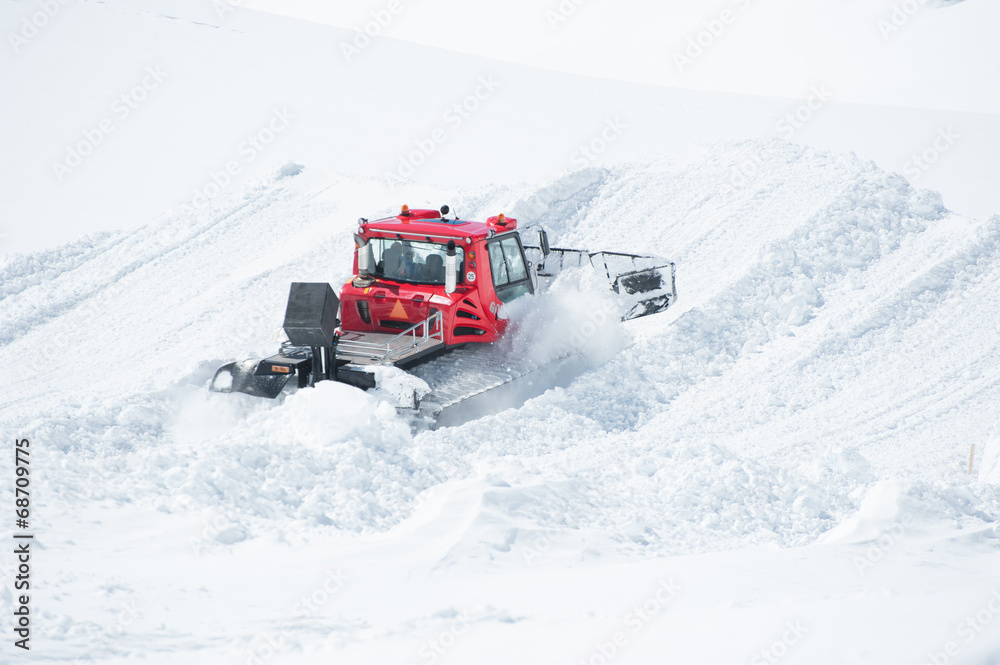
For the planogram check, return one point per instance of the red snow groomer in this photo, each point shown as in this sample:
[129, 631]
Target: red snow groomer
[425, 283]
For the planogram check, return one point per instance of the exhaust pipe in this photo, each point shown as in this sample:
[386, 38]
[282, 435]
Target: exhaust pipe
[450, 269]
[365, 261]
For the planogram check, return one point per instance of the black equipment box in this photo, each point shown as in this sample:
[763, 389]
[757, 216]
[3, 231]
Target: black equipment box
[311, 316]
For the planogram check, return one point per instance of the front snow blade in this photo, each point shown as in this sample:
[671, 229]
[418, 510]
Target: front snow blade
[647, 290]
[644, 284]
[241, 377]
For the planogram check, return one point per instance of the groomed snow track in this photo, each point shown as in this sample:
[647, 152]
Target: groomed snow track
[473, 381]
[829, 363]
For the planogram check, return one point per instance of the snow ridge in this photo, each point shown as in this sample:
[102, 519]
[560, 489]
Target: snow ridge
[733, 419]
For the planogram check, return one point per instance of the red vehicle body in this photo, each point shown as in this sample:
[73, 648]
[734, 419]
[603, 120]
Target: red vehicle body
[470, 313]
[425, 283]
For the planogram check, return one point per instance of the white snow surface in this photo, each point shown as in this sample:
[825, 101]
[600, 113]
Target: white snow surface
[927, 53]
[799, 462]
[787, 446]
[201, 77]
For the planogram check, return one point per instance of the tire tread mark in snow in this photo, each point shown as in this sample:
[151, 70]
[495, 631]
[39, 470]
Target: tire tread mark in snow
[40, 316]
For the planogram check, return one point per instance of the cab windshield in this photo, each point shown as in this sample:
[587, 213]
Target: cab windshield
[412, 260]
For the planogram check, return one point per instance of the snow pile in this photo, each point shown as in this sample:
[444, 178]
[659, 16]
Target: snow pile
[817, 385]
[895, 507]
[395, 386]
[732, 423]
[828, 361]
[726, 421]
[775, 296]
[332, 456]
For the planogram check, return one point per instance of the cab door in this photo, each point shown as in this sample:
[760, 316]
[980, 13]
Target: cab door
[508, 267]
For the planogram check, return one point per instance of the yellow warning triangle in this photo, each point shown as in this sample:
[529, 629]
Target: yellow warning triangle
[398, 312]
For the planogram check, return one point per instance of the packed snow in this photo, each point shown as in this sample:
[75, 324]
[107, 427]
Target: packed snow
[797, 462]
[814, 393]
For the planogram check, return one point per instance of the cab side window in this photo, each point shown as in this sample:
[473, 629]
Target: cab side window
[510, 273]
[498, 265]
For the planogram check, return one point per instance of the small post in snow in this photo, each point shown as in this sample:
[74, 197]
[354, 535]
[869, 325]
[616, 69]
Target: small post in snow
[972, 455]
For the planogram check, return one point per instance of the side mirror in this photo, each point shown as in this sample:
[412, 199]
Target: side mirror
[366, 261]
[543, 242]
